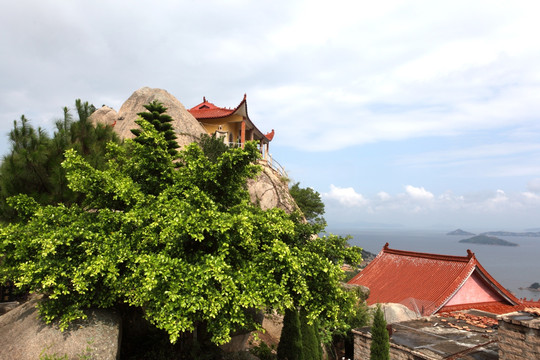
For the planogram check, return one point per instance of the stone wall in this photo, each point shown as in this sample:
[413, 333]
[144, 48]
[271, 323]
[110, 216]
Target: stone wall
[362, 342]
[519, 337]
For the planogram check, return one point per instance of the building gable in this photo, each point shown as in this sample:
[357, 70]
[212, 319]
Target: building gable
[475, 290]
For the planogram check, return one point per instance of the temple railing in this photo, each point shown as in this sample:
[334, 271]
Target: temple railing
[276, 166]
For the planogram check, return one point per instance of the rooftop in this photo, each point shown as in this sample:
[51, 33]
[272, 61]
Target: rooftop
[463, 335]
[207, 110]
[425, 282]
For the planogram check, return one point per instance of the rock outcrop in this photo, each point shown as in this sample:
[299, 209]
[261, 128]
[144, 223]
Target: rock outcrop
[104, 115]
[269, 190]
[24, 336]
[394, 313]
[187, 128]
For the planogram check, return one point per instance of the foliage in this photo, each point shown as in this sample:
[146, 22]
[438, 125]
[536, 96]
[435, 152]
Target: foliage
[26, 169]
[263, 351]
[310, 203]
[311, 346]
[33, 166]
[290, 344]
[162, 123]
[185, 244]
[212, 146]
[380, 346]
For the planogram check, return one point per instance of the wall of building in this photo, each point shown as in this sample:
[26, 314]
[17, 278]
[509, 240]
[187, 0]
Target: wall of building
[519, 339]
[362, 343]
[230, 124]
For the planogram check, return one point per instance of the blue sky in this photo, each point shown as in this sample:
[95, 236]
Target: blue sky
[417, 114]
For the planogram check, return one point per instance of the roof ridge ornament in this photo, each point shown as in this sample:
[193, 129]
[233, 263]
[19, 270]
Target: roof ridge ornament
[204, 98]
[385, 247]
[470, 254]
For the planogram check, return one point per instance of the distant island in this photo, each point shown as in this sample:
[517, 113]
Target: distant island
[533, 287]
[460, 232]
[487, 240]
[510, 233]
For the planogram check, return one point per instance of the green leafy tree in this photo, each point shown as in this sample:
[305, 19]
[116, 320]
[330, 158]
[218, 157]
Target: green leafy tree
[290, 344]
[162, 123]
[183, 242]
[380, 346]
[336, 251]
[310, 203]
[212, 146]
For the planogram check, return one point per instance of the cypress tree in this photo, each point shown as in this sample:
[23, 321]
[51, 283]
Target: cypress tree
[310, 343]
[318, 338]
[290, 343]
[161, 122]
[380, 345]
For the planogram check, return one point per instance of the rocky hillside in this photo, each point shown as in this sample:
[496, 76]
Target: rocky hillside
[268, 190]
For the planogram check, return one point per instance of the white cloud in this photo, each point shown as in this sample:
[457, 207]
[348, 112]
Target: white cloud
[418, 193]
[345, 196]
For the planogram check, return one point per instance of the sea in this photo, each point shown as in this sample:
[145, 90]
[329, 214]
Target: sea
[514, 267]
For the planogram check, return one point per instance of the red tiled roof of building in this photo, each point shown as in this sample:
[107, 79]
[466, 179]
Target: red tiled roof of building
[423, 282]
[207, 110]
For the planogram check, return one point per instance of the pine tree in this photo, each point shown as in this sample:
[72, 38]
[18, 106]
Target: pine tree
[290, 343]
[380, 346]
[26, 168]
[33, 166]
[212, 146]
[161, 122]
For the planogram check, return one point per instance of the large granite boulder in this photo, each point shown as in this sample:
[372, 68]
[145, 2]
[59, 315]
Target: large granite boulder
[104, 115]
[24, 336]
[394, 313]
[187, 128]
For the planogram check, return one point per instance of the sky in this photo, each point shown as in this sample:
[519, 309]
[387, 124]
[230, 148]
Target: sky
[402, 114]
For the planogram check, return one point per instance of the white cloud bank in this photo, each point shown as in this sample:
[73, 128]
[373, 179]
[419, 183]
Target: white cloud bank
[345, 196]
[418, 207]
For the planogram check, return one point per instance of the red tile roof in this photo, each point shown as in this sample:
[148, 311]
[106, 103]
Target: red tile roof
[207, 110]
[270, 135]
[422, 282]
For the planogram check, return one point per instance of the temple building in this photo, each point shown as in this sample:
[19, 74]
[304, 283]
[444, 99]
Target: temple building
[431, 283]
[232, 125]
